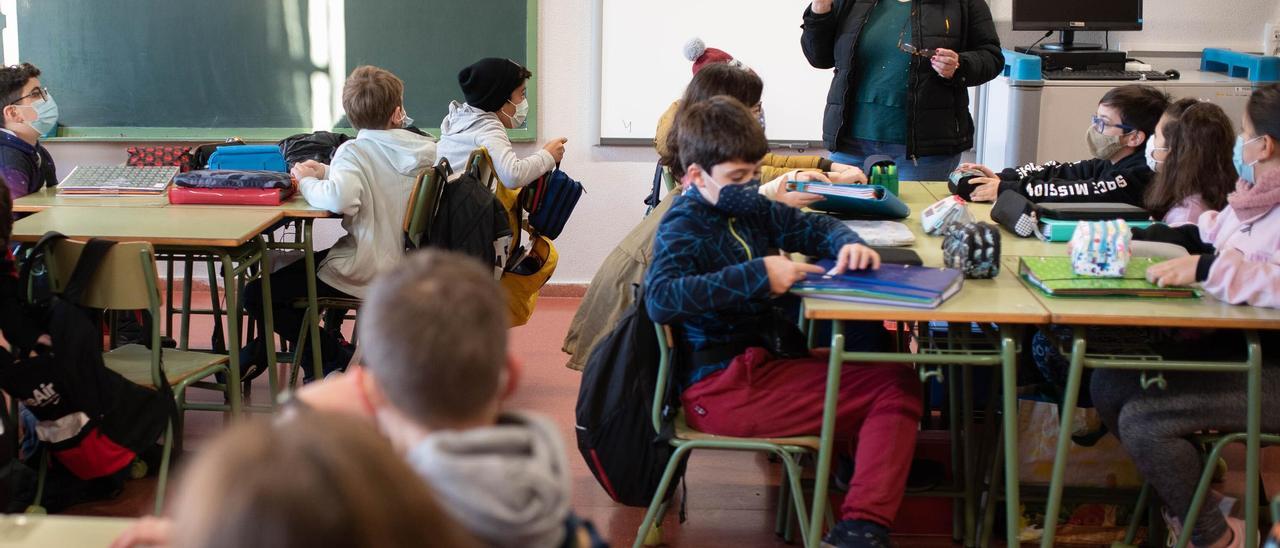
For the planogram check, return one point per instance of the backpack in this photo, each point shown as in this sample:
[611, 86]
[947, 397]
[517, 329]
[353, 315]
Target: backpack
[95, 421]
[550, 201]
[470, 220]
[613, 424]
[318, 146]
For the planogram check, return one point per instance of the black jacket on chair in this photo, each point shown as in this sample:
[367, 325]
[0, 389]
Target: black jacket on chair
[938, 120]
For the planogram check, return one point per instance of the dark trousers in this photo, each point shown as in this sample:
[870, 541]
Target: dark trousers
[289, 285]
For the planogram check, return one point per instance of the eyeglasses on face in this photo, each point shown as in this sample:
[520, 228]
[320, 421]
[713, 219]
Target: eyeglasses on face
[1100, 124]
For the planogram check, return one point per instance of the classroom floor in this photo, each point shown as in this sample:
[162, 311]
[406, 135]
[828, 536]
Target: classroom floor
[731, 496]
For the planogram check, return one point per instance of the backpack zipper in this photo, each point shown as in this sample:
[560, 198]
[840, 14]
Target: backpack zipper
[740, 240]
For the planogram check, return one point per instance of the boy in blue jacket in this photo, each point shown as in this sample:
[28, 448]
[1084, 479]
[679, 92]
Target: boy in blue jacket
[714, 276]
[29, 112]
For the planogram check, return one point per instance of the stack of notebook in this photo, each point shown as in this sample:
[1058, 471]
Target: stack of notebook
[1055, 277]
[869, 201]
[892, 284]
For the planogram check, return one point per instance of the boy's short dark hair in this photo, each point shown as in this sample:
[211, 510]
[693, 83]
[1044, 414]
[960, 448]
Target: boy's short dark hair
[13, 78]
[370, 96]
[434, 334]
[1140, 106]
[720, 129]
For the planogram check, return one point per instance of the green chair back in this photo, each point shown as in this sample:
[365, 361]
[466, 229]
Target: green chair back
[424, 203]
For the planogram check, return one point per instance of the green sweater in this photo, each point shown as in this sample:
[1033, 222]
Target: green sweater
[879, 110]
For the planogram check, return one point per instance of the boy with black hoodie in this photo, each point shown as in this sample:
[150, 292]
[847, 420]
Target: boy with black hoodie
[29, 112]
[1118, 171]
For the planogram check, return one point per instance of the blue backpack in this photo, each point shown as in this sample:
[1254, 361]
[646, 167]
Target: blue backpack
[550, 201]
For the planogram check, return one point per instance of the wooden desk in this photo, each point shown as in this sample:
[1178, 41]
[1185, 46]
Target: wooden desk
[232, 235]
[45, 198]
[1203, 312]
[167, 226]
[39, 531]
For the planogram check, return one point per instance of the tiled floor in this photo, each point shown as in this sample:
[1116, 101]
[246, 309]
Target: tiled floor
[730, 495]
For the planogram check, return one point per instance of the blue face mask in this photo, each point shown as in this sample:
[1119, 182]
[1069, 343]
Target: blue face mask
[736, 200]
[46, 115]
[1237, 157]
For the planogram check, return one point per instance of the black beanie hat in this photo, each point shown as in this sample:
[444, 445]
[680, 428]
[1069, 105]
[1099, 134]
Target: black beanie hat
[488, 83]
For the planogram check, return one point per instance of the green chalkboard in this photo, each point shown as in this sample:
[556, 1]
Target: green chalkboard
[259, 69]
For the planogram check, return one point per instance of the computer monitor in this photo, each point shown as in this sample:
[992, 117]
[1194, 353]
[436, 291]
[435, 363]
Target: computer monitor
[1070, 16]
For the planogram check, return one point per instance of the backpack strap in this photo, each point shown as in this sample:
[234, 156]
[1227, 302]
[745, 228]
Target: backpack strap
[655, 194]
[24, 271]
[95, 251]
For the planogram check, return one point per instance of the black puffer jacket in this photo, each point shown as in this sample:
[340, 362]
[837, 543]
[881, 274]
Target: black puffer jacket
[938, 120]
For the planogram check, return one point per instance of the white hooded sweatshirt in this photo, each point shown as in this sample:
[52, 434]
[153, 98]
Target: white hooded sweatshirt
[467, 128]
[369, 182]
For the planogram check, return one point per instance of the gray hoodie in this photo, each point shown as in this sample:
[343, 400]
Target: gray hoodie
[467, 128]
[508, 484]
[368, 182]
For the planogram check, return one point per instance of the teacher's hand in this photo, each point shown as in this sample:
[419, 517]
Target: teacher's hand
[945, 62]
[820, 7]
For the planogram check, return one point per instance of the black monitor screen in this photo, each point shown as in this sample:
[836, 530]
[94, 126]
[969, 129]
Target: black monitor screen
[1077, 14]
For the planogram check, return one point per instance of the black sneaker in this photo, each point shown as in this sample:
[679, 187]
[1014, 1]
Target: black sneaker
[856, 533]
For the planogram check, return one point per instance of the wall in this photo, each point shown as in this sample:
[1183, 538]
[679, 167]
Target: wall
[617, 178]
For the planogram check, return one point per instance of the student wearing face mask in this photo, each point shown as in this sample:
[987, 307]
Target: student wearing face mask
[1117, 135]
[495, 90]
[29, 113]
[714, 280]
[1190, 152]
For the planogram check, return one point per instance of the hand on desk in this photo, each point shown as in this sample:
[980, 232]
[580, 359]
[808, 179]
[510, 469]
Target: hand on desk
[309, 168]
[850, 176]
[856, 257]
[148, 531]
[986, 171]
[985, 189]
[1174, 272]
[784, 272]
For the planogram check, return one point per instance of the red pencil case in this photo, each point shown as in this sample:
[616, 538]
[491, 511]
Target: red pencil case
[229, 196]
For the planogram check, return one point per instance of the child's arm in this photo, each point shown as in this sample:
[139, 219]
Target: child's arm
[1234, 278]
[514, 171]
[1075, 182]
[674, 292]
[339, 191]
[819, 37]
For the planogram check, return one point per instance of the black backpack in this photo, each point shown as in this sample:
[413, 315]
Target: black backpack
[95, 421]
[318, 146]
[615, 401]
[470, 219]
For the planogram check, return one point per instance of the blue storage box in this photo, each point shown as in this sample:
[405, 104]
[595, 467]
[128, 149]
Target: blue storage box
[248, 157]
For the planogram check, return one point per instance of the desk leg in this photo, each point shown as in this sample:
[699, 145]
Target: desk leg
[1070, 397]
[1253, 441]
[268, 320]
[233, 331]
[822, 476]
[313, 317]
[1009, 378]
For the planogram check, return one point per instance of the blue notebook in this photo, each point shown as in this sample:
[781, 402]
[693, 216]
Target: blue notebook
[892, 284]
[872, 201]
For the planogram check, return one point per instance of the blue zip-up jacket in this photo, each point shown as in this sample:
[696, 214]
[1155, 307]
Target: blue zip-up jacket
[708, 272]
[26, 168]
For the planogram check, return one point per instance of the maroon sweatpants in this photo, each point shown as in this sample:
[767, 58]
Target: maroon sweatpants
[878, 414]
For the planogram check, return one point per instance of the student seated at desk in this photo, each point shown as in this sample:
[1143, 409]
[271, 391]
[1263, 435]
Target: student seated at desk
[1118, 171]
[713, 279]
[1244, 269]
[313, 480]
[1190, 152]
[369, 183]
[495, 91]
[29, 112]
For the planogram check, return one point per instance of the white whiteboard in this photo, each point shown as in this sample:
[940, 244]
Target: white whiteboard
[643, 68]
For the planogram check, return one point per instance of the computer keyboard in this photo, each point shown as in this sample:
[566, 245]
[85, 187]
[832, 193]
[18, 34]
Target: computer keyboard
[1150, 75]
[117, 180]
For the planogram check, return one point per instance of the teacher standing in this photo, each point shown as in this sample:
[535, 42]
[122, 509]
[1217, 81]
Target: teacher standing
[902, 72]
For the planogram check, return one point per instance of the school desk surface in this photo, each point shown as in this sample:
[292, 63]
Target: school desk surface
[37, 531]
[165, 226]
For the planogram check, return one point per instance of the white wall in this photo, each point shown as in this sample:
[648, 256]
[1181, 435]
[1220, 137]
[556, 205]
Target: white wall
[617, 178]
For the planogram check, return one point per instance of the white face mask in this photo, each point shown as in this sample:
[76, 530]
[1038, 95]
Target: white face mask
[1152, 162]
[522, 113]
[406, 121]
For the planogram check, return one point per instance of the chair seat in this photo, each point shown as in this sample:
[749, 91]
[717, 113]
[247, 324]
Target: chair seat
[685, 432]
[133, 361]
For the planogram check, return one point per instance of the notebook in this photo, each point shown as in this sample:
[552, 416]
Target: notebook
[892, 284]
[1054, 276]
[871, 201]
[117, 180]
[1054, 230]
